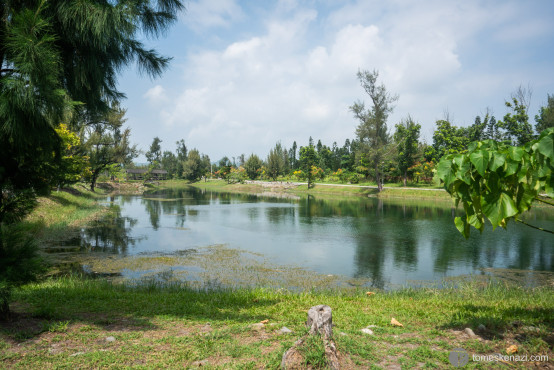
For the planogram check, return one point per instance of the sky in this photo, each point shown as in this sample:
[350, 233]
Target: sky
[246, 74]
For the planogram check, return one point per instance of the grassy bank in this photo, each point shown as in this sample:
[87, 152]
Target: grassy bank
[71, 322]
[64, 211]
[320, 189]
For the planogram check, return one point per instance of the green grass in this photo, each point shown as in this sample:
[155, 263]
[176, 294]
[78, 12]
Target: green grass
[63, 211]
[174, 325]
[392, 190]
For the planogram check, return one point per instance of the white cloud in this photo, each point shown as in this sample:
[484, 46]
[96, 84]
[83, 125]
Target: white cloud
[156, 94]
[204, 14]
[297, 78]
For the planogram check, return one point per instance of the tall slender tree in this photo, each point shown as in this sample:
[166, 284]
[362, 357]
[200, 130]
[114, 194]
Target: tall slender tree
[372, 131]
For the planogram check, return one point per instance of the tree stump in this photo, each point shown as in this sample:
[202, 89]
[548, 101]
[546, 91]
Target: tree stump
[320, 323]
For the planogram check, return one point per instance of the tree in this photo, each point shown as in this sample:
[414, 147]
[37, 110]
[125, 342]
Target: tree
[170, 163]
[516, 124]
[192, 168]
[545, 118]
[73, 164]
[308, 160]
[292, 156]
[493, 131]
[372, 131]
[448, 139]
[275, 161]
[154, 154]
[406, 138]
[498, 181]
[54, 56]
[107, 143]
[252, 166]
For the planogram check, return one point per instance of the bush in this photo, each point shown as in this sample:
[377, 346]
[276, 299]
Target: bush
[354, 178]
[20, 263]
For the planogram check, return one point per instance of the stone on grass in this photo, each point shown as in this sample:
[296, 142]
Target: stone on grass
[482, 327]
[285, 330]
[470, 333]
[257, 326]
[110, 339]
[367, 331]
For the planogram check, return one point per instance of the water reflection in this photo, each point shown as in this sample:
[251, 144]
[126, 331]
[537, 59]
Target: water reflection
[388, 241]
[110, 234]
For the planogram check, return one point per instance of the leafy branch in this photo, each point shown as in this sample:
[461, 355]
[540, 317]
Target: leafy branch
[497, 181]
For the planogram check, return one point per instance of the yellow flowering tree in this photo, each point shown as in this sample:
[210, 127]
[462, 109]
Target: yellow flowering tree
[72, 165]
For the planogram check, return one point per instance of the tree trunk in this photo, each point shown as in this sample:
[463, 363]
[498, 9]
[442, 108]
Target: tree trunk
[405, 179]
[93, 180]
[378, 179]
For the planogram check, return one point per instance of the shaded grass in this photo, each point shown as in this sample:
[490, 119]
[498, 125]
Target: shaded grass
[172, 325]
[60, 213]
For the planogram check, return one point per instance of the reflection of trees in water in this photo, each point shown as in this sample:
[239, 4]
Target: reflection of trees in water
[393, 230]
[109, 234]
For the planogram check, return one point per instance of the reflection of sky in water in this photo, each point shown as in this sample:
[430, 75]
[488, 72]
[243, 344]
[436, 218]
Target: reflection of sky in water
[390, 241]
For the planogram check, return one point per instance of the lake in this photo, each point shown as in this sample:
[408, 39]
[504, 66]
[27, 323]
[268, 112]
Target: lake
[387, 242]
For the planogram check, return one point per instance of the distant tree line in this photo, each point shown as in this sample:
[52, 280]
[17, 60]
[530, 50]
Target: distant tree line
[381, 155]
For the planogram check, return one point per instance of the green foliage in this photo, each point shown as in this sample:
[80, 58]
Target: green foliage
[192, 168]
[275, 162]
[19, 262]
[372, 132]
[238, 175]
[106, 143]
[171, 164]
[154, 154]
[73, 164]
[516, 123]
[253, 166]
[406, 138]
[308, 159]
[448, 139]
[545, 118]
[498, 181]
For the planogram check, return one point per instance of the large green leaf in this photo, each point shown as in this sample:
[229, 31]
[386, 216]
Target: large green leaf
[497, 160]
[445, 171]
[462, 226]
[511, 167]
[546, 146]
[498, 208]
[480, 160]
[516, 153]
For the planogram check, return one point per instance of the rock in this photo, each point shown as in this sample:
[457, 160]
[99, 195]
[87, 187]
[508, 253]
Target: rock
[481, 327]
[367, 331]
[530, 329]
[110, 339]
[200, 363]
[372, 326]
[257, 326]
[470, 333]
[285, 330]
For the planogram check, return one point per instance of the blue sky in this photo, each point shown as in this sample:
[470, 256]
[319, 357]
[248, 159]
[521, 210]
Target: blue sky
[246, 74]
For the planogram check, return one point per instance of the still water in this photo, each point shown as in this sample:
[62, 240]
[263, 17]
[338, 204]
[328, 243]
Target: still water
[389, 242]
